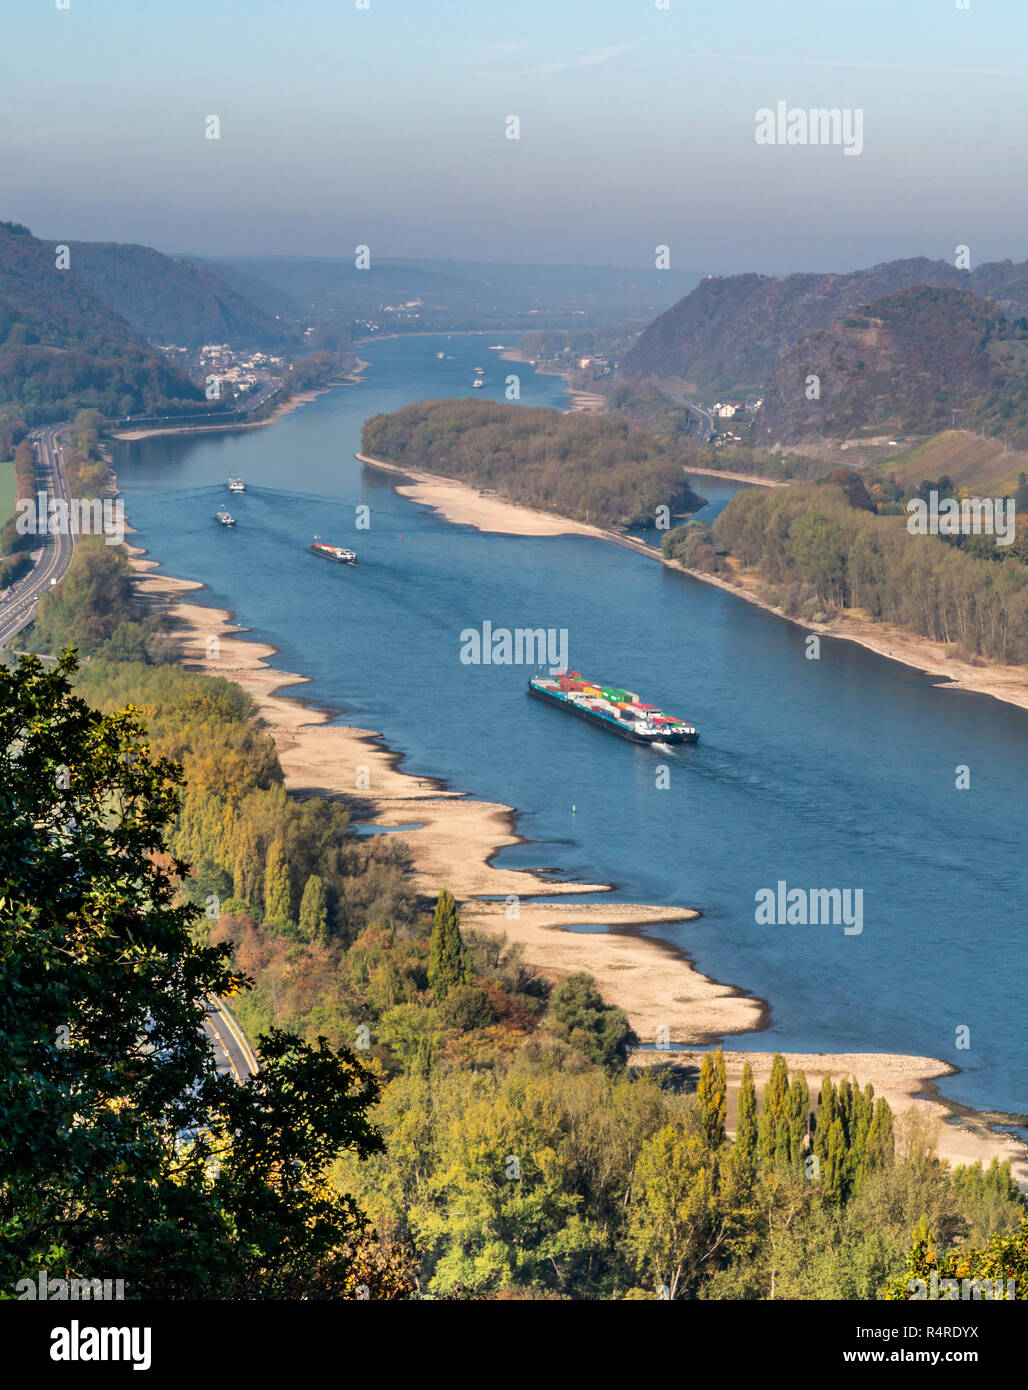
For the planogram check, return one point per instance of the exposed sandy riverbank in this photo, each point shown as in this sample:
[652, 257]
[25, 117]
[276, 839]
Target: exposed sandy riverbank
[457, 839]
[460, 502]
[454, 844]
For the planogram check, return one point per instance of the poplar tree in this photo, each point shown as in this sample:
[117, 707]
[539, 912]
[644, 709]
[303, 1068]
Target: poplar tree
[772, 1114]
[710, 1093]
[797, 1111]
[447, 965]
[314, 910]
[247, 878]
[744, 1153]
[835, 1175]
[277, 895]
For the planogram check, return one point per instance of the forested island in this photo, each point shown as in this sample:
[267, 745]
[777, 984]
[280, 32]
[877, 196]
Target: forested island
[583, 466]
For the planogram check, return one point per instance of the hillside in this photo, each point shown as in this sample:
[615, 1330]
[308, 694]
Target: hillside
[63, 348]
[901, 366]
[584, 466]
[728, 334]
[168, 299]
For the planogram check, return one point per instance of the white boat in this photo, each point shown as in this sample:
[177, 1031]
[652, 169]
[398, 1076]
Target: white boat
[225, 518]
[236, 485]
[476, 385]
[440, 354]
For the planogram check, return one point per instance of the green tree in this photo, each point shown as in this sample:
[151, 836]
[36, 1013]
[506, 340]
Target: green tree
[678, 1218]
[447, 963]
[579, 1016]
[278, 897]
[125, 1153]
[248, 878]
[744, 1151]
[710, 1094]
[314, 910]
[773, 1113]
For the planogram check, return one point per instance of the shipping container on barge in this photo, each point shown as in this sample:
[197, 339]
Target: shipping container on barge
[338, 553]
[618, 711]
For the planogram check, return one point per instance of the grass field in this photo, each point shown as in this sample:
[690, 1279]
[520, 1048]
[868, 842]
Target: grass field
[965, 458]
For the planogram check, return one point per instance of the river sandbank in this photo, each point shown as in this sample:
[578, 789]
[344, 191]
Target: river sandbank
[453, 845]
[460, 502]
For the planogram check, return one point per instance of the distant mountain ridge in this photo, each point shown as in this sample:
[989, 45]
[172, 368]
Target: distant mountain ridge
[169, 299]
[908, 364]
[730, 332]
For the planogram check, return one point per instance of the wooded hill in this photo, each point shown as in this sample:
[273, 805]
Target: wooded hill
[168, 299]
[901, 366]
[62, 348]
[583, 466]
[728, 334]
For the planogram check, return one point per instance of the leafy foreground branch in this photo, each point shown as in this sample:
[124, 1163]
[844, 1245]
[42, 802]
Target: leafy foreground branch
[123, 1153]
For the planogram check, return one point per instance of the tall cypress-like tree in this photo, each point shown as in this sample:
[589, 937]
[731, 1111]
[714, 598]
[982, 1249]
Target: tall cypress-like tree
[447, 966]
[773, 1111]
[710, 1093]
[278, 898]
[314, 910]
[248, 878]
[797, 1111]
[835, 1167]
[744, 1154]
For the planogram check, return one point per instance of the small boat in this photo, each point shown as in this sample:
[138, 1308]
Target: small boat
[476, 385]
[440, 354]
[480, 371]
[339, 554]
[236, 485]
[225, 518]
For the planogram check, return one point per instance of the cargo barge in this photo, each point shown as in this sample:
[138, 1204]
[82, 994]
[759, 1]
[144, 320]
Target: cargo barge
[618, 711]
[338, 553]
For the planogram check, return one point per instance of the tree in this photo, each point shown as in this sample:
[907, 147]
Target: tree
[247, 879]
[447, 964]
[125, 1153]
[278, 898]
[710, 1094]
[580, 1017]
[772, 1115]
[314, 910]
[678, 1219]
[744, 1152]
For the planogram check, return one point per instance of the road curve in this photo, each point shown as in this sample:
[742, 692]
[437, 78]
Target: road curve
[231, 1047]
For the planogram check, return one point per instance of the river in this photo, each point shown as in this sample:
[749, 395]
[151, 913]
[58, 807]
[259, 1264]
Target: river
[831, 773]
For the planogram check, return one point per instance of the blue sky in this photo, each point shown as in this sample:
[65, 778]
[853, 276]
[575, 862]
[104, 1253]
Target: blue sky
[386, 126]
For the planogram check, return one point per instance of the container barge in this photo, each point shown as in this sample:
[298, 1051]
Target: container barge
[618, 711]
[338, 553]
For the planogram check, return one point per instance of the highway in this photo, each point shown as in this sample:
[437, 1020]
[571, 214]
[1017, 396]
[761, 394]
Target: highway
[18, 610]
[232, 1051]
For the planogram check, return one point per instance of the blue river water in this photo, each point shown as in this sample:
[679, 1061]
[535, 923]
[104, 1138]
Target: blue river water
[831, 773]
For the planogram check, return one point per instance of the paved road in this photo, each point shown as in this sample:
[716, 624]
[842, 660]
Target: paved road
[232, 1050]
[55, 554]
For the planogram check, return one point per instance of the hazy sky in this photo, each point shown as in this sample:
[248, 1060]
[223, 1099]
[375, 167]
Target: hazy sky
[386, 126]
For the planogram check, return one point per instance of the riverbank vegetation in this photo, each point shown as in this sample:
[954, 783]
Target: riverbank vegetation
[468, 1128]
[820, 549]
[583, 466]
